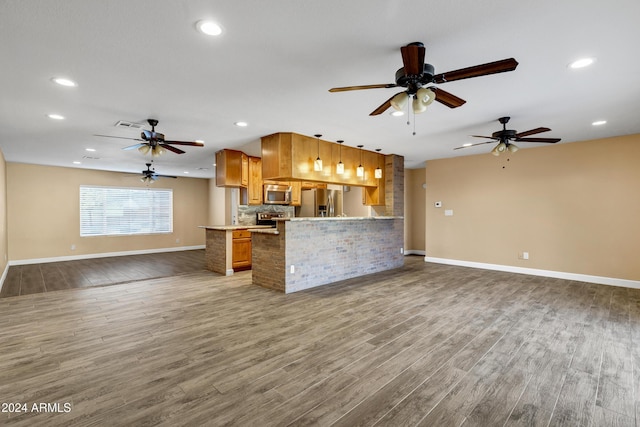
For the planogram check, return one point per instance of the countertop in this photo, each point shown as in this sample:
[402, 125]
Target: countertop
[339, 218]
[233, 227]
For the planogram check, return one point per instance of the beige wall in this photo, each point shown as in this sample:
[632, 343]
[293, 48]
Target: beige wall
[574, 207]
[216, 204]
[44, 220]
[414, 210]
[4, 251]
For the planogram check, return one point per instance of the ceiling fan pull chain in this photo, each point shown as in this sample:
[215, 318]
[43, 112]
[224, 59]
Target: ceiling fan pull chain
[408, 115]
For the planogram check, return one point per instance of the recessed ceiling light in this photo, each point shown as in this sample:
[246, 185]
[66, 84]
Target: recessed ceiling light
[186, 172]
[62, 81]
[599, 123]
[397, 113]
[241, 124]
[55, 116]
[209, 28]
[90, 149]
[468, 144]
[201, 141]
[581, 63]
[77, 163]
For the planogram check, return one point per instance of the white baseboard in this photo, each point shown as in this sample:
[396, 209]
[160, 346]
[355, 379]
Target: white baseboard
[414, 252]
[611, 281]
[101, 255]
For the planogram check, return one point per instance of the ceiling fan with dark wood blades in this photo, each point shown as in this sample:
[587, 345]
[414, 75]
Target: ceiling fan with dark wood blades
[149, 175]
[506, 136]
[419, 79]
[154, 142]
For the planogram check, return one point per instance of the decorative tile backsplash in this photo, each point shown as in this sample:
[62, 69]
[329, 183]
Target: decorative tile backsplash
[247, 213]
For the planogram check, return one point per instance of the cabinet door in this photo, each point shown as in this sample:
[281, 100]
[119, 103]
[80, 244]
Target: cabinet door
[245, 170]
[241, 250]
[296, 193]
[255, 181]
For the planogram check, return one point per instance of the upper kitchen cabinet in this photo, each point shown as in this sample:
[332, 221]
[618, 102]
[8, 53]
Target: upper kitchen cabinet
[255, 181]
[232, 168]
[290, 156]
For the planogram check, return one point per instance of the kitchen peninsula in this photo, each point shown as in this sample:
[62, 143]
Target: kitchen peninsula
[302, 253]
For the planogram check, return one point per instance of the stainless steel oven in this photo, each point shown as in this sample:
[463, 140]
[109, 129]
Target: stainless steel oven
[268, 218]
[277, 194]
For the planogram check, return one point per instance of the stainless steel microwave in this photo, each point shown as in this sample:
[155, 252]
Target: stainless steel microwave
[277, 194]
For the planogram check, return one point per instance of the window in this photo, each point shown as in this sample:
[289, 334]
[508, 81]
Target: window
[112, 211]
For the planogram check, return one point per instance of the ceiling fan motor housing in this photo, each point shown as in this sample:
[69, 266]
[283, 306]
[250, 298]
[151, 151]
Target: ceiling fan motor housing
[504, 134]
[413, 83]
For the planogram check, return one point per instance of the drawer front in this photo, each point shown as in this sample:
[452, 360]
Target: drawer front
[241, 234]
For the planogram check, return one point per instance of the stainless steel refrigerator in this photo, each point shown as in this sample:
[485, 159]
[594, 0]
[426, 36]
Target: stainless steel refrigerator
[320, 202]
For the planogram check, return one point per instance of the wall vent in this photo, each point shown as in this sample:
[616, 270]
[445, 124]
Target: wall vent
[129, 125]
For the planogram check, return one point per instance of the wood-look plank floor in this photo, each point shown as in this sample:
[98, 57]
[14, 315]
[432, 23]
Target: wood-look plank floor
[424, 345]
[54, 276]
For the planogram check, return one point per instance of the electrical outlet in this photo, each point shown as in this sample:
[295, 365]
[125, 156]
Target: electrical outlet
[401, 250]
[293, 269]
[448, 212]
[73, 247]
[525, 255]
[178, 240]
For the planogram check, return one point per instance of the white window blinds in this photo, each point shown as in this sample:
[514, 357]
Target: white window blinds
[110, 211]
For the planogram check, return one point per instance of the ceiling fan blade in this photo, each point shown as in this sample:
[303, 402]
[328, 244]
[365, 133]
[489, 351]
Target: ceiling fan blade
[413, 58]
[133, 147]
[166, 176]
[502, 66]
[549, 140]
[347, 88]
[171, 148]
[532, 132]
[119, 137]
[383, 107]
[193, 144]
[482, 136]
[473, 145]
[447, 98]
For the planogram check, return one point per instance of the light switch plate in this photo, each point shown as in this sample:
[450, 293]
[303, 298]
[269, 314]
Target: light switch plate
[448, 212]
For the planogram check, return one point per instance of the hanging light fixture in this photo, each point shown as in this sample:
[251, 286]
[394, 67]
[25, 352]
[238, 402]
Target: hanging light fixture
[144, 149]
[340, 165]
[399, 101]
[500, 148]
[512, 148]
[378, 171]
[360, 169]
[317, 164]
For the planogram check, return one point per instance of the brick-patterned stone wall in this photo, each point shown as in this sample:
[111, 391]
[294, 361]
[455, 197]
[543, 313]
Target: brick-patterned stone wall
[326, 251]
[394, 185]
[216, 250]
[268, 260]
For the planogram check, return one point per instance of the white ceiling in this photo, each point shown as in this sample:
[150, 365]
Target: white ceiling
[276, 60]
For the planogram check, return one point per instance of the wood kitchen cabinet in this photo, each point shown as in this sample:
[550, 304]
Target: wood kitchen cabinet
[296, 193]
[241, 250]
[255, 181]
[232, 168]
[290, 156]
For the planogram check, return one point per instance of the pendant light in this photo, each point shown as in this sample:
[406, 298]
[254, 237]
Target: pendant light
[317, 165]
[378, 171]
[340, 165]
[360, 170]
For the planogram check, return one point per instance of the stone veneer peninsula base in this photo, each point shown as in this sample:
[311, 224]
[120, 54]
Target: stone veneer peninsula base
[303, 253]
